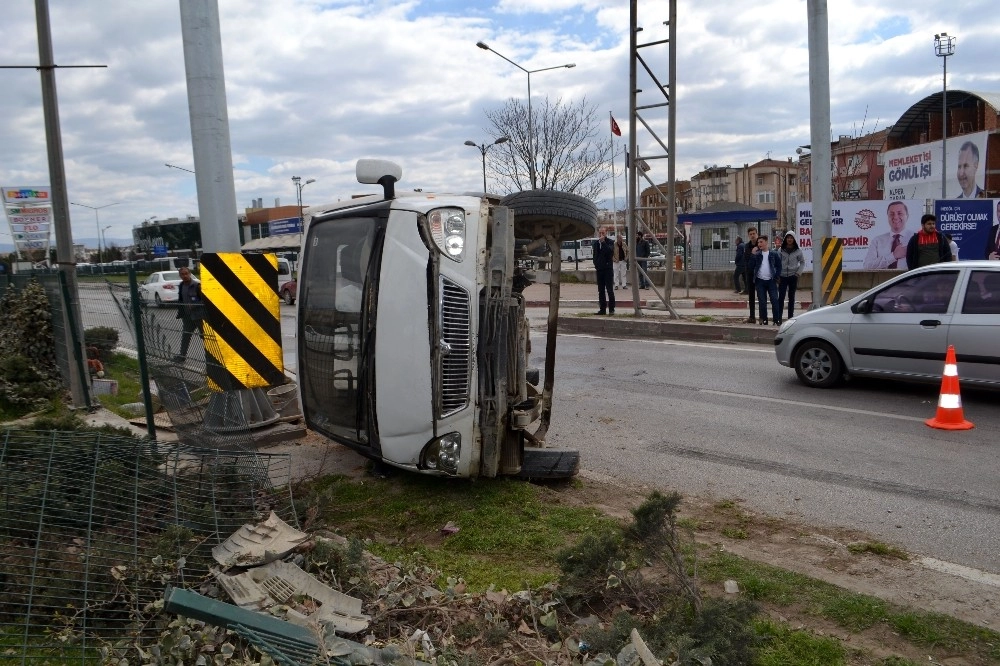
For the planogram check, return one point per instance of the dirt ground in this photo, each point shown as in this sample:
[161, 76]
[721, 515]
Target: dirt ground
[818, 553]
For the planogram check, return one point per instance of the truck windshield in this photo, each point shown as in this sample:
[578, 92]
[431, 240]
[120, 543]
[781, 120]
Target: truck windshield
[338, 291]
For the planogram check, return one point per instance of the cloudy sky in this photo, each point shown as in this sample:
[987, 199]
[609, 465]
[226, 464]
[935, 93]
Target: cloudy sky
[314, 85]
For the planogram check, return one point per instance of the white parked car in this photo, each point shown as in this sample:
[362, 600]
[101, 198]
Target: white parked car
[161, 287]
[902, 329]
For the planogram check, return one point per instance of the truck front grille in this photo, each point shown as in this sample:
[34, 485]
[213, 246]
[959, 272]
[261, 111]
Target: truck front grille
[456, 335]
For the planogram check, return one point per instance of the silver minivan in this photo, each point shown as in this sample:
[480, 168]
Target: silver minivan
[902, 329]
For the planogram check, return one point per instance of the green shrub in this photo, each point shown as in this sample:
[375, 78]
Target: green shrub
[28, 371]
[104, 338]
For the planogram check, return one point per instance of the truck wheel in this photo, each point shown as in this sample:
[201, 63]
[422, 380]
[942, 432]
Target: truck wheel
[564, 215]
[541, 463]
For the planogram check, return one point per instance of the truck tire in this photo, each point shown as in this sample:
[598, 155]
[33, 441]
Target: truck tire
[564, 215]
[541, 463]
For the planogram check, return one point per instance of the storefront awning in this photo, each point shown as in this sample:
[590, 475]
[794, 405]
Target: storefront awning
[272, 243]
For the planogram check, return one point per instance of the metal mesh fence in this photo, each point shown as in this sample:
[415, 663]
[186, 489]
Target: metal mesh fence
[93, 528]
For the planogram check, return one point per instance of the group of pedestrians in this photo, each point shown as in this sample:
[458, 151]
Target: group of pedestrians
[611, 265]
[768, 274]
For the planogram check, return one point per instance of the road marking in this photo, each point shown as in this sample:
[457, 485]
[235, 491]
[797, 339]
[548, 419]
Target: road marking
[675, 343]
[975, 575]
[785, 401]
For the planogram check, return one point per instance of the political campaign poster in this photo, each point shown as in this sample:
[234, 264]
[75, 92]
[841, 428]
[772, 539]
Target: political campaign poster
[29, 214]
[915, 172]
[972, 224]
[874, 232]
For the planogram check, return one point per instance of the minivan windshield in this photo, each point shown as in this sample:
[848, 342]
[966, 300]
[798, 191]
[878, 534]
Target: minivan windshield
[338, 292]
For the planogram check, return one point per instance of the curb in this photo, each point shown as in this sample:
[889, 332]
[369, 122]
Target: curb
[630, 327]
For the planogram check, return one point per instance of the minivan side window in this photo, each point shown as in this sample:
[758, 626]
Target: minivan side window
[982, 296]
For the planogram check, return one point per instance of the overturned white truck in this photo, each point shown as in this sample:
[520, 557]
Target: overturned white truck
[413, 346]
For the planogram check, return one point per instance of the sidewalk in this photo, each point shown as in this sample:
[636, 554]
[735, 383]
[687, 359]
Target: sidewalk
[705, 314]
[584, 295]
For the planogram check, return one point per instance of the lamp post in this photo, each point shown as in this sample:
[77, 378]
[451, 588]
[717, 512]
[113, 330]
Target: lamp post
[104, 240]
[298, 193]
[531, 125]
[944, 46]
[97, 218]
[484, 148]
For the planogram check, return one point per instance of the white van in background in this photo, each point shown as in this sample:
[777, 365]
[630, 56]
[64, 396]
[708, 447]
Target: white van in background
[284, 272]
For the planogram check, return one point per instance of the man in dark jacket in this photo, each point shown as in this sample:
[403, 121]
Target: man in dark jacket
[927, 246]
[741, 265]
[749, 250]
[642, 256]
[190, 310]
[604, 264]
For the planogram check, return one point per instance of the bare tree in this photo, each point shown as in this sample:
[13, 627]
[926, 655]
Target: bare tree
[570, 155]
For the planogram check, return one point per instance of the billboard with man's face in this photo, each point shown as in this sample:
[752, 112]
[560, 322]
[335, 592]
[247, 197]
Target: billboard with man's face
[915, 172]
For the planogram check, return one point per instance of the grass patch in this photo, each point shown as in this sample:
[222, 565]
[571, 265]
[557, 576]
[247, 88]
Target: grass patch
[854, 612]
[704, 318]
[784, 646]
[125, 370]
[878, 548]
[507, 536]
[735, 533]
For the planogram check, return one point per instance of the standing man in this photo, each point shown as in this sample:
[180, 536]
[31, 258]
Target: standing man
[619, 258]
[190, 310]
[993, 242]
[767, 270]
[927, 246]
[604, 265]
[642, 256]
[741, 266]
[968, 166]
[888, 251]
[749, 250]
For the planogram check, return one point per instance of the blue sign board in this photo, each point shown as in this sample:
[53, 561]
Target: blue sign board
[289, 225]
[969, 221]
[159, 250]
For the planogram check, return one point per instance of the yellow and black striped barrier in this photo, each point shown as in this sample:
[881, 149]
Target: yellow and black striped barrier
[242, 321]
[833, 270]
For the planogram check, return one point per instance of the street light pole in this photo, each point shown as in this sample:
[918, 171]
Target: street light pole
[97, 218]
[944, 46]
[484, 148]
[104, 239]
[531, 124]
[298, 194]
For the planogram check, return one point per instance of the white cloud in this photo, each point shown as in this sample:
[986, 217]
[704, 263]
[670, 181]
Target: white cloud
[313, 86]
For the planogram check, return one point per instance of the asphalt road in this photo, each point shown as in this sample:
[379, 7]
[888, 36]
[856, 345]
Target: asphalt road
[729, 422]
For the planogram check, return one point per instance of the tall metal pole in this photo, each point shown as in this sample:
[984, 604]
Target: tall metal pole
[483, 151]
[672, 146]
[819, 137]
[213, 158]
[944, 46]
[60, 204]
[944, 128]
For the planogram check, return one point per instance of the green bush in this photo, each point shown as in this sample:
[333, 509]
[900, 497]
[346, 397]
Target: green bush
[104, 338]
[28, 371]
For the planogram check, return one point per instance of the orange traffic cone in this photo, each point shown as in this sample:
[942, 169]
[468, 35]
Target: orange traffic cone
[949, 410]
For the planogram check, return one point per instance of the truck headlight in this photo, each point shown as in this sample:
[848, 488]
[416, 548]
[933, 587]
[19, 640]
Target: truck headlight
[448, 231]
[442, 453]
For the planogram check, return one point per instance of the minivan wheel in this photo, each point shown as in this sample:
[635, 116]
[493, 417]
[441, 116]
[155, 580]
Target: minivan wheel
[564, 215]
[818, 364]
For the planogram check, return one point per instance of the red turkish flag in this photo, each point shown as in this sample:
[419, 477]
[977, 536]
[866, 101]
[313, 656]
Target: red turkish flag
[614, 127]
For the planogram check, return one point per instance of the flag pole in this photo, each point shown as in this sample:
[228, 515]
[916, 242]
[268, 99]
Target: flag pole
[614, 196]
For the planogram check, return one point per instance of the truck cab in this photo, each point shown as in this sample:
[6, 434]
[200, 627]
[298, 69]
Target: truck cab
[413, 344]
